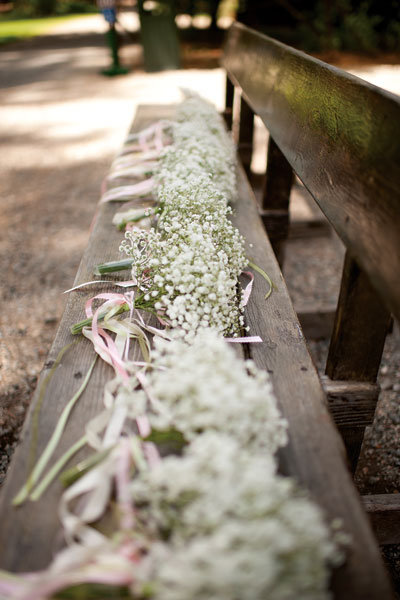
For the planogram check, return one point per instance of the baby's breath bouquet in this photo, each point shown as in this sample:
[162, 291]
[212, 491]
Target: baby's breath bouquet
[189, 264]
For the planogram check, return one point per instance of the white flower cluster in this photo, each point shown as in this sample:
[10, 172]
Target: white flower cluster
[200, 145]
[189, 268]
[223, 524]
[206, 388]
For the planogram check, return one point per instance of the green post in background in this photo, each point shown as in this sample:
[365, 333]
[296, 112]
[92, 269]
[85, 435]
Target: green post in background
[115, 68]
[108, 9]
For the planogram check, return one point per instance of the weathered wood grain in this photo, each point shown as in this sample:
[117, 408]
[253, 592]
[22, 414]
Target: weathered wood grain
[30, 534]
[315, 454]
[351, 403]
[341, 136]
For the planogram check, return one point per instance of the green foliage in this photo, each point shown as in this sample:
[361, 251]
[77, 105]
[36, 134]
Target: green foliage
[168, 442]
[12, 30]
[75, 7]
[359, 30]
[391, 37]
[347, 25]
[45, 7]
[25, 9]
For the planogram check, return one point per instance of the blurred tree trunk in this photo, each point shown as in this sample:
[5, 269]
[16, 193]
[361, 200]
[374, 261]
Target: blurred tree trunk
[159, 35]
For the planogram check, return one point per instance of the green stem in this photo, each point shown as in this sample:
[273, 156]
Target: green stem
[39, 403]
[56, 468]
[71, 475]
[77, 327]
[121, 226]
[52, 443]
[266, 277]
[113, 266]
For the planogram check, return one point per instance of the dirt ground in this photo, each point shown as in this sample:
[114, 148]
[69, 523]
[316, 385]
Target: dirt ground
[62, 123]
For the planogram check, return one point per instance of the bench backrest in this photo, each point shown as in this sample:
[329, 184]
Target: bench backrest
[340, 135]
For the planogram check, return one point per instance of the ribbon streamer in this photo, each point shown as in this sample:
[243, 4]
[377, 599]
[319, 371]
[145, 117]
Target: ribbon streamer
[126, 192]
[255, 339]
[249, 287]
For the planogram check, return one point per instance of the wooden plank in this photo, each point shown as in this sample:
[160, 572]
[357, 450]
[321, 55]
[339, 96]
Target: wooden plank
[315, 455]
[384, 512]
[30, 535]
[351, 403]
[360, 328]
[352, 406]
[307, 229]
[341, 136]
[316, 324]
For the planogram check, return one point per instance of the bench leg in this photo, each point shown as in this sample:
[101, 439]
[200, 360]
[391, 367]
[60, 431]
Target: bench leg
[246, 130]
[359, 332]
[228, 112]
[275, 202]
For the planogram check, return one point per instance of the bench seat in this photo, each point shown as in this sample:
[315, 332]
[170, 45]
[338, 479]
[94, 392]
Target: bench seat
[315, 455]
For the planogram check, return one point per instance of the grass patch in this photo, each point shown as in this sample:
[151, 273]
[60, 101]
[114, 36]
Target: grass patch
[12, 30]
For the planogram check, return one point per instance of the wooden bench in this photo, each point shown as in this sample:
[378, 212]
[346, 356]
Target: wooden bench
[340, 136]
[295, 96]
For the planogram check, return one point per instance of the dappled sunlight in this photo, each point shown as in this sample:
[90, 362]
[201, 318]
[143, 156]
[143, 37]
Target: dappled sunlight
[183, 21]
[44, 59]
[201, 21]
[225, 22]
[129, 20]
[93, 123]
[384, 76]
[85, 24]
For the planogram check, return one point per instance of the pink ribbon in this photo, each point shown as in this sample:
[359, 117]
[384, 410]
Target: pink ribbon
[255, 339]
[144, 427]
[125, 191]
[100, 337]
[122, 478]
[249, 287]
[158, 141]
[143, 142]
[150, 449]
